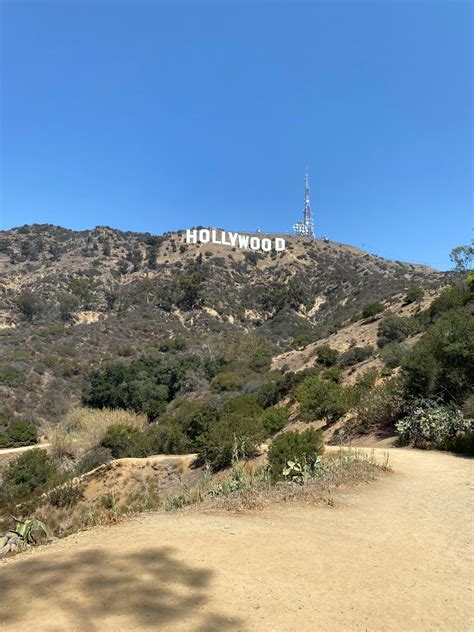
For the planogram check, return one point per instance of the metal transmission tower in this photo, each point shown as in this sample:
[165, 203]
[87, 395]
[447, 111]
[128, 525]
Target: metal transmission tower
[305, 228]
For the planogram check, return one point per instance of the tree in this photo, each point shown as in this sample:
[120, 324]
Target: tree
[321, 399]
[462, 257]
[29, 304]
[326, 356]
[413, 295]
[396, 329]
[68, 304]
[372, 310]
[441, 362]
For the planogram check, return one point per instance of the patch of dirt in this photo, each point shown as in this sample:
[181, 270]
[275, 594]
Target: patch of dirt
[395, 555]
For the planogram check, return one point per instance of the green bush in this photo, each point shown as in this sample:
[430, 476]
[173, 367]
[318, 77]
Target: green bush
[227, 381]
[31, 470]
[19, 432]
[321, 399]
[294, 446]
[440, 363]
[393, 354]
[364, 383]
[382, 405]
[11, 376]
[355, 355]
[193, 417]
[431, 424]
[239, 427]
[274, 419]
[413, 295]
[396, 329]
[326, 356]
[125, 441]
[167, 438]
[450, 298]
[145, 385]
[372, 310]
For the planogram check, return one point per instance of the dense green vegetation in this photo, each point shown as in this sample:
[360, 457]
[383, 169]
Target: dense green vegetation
[17, 432]
[301, 447]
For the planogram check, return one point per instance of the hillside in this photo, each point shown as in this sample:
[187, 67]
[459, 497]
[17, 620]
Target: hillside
[71, 301]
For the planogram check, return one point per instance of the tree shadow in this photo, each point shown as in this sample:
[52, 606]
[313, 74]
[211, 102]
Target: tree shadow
[150, 588]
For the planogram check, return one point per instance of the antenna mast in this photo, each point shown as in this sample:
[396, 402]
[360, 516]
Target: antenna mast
[305, 228]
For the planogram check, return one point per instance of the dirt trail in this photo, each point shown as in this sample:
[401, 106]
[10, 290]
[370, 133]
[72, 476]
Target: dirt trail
[24, 448]
[395, 554]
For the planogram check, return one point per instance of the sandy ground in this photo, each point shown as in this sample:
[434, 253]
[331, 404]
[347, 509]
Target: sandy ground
[395, 554]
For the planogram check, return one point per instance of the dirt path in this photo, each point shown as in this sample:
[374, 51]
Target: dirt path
[394, 555]
[24, 448]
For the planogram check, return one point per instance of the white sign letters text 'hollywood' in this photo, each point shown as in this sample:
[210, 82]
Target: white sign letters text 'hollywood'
[204, 236]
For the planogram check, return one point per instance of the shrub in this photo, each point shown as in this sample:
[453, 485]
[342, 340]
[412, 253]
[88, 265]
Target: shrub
[239, 427]
[381, 405]
[303, 339]
[433, 424]
[19, 432]
[363, 384]
[396, 329]
[93, 458]
[450, 298]
[66, 495]
[167, 438]
[145, 385]
[227, 381]
[372, 310]
[321, 399]
[393, 354]
[294, 446]
[326, 356]
[11, 376]
[355, 355]
[29, 471]
[193, 417]
[274, 419]
[413, 295]
[29, 304]
[440, 363]
[123, 441]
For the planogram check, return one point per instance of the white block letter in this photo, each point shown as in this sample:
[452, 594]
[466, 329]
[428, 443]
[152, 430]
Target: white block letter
[243, 241]
[204, 235]
[255, 243]
[266, 245]
[191, 236]
[279, 244]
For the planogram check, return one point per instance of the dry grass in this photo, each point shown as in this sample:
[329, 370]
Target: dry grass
[347, 468]
[242, 488]
[84, 428]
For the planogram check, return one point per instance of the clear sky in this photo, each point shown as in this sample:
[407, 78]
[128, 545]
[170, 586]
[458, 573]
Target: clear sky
[153, 116]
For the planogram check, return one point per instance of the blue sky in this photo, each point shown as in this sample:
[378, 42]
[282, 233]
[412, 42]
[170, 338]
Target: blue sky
[155, 116]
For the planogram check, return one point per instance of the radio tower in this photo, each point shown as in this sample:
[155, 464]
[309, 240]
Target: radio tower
[305, 228]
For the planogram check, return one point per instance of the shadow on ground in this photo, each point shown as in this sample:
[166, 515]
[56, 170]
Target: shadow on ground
[150, 588]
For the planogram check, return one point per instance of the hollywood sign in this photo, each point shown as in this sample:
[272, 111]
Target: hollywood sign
[236, 240]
